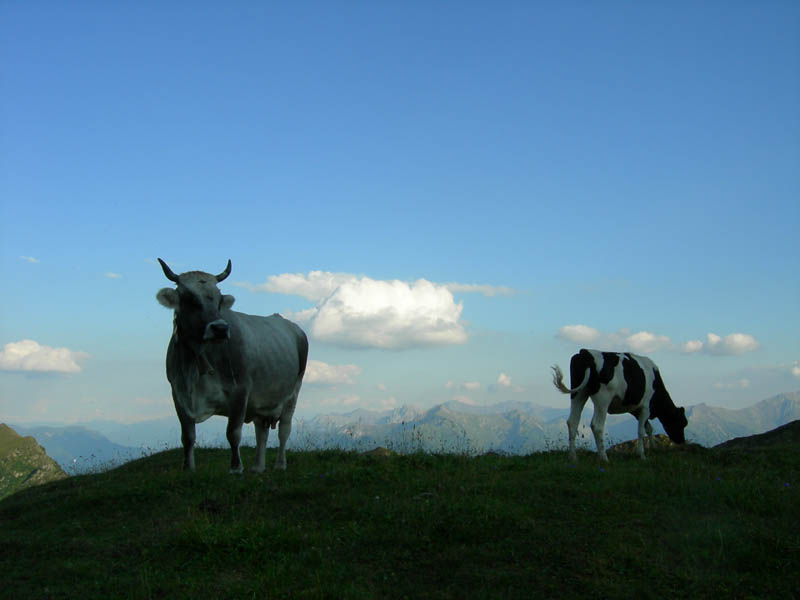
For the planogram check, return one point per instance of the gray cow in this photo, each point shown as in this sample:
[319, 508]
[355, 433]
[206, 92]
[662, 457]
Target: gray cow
[223, 362]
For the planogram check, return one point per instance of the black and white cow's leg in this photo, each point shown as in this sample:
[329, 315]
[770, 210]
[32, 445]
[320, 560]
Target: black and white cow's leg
[601, 404]
[649, 429]
[577, 403]
[284, 431]
[262, 433]
[644, 426]
[187, 439]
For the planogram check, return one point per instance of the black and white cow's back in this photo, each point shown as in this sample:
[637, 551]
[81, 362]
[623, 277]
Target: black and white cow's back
[619, 382]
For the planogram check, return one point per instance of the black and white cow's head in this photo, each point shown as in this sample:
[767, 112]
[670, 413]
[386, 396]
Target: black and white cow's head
[674, 423]
[198, 305]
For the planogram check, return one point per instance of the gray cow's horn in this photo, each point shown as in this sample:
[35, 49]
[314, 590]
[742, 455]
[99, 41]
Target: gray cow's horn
[168, 272]
[225, 273]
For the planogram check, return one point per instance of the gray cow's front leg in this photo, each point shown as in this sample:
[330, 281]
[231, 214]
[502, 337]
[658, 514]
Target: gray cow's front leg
[234, 435]
[187, 439]
[234, 431]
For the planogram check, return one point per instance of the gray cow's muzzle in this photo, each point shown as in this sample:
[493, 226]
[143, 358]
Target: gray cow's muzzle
[217, 331]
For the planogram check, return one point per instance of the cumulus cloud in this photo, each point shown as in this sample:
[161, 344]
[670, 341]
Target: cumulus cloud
[28, 355]
[322, 373]
[733, 344]
[646, 341]
[29, 259]
[486, 290]
[692, 346]
[315, 286]
[580, 334]
[504, 383]
[642, 341]
[358, 311]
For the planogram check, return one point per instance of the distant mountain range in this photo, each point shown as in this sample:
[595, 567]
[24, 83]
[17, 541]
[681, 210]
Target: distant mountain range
[23, 463]
[514, 427]
[521, 427]
[78, 449]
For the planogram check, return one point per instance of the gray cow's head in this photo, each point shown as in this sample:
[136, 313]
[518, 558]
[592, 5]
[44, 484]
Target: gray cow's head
[198, 305]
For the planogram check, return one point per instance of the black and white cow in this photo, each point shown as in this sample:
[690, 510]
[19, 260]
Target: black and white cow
[619, 383]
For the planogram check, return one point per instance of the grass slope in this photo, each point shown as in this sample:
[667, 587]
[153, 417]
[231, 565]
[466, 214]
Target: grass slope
[691, 523]
[23, 463]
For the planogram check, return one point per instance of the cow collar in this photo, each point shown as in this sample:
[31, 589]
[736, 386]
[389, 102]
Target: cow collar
[203, 366]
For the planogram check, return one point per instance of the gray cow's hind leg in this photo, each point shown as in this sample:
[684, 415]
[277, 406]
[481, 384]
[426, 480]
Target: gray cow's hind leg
[284, 431]
[262, 433]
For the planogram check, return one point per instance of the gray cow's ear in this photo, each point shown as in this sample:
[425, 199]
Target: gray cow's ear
[168, 297]
[227, 301]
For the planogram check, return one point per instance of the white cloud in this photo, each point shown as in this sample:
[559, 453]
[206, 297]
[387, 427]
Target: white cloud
[358, 311]
[642, 341]
[110, 275]
[733, 344]
[315, 286]
[486, 290]
[323, 373]
[580, 334]
[503, 380]
[796, 369]
[504, 383]
[29, 259]
[28, 355]
[646, 342]
[692, 346]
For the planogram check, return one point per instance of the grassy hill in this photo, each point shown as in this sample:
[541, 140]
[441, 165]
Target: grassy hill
[23, 463]
[687, 523]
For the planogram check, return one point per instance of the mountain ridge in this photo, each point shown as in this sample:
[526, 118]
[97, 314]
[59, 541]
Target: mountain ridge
[24, 463]
[509, 427]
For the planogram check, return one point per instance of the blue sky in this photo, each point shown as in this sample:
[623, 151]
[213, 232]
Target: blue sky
[621, 175]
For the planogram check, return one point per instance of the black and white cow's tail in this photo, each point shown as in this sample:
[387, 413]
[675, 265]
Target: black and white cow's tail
[558, 381]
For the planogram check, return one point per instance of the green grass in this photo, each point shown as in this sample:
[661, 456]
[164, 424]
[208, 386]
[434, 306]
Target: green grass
[693, 523]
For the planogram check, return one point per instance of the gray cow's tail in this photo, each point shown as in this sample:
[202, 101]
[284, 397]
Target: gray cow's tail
[558, 381]
[302, 354]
